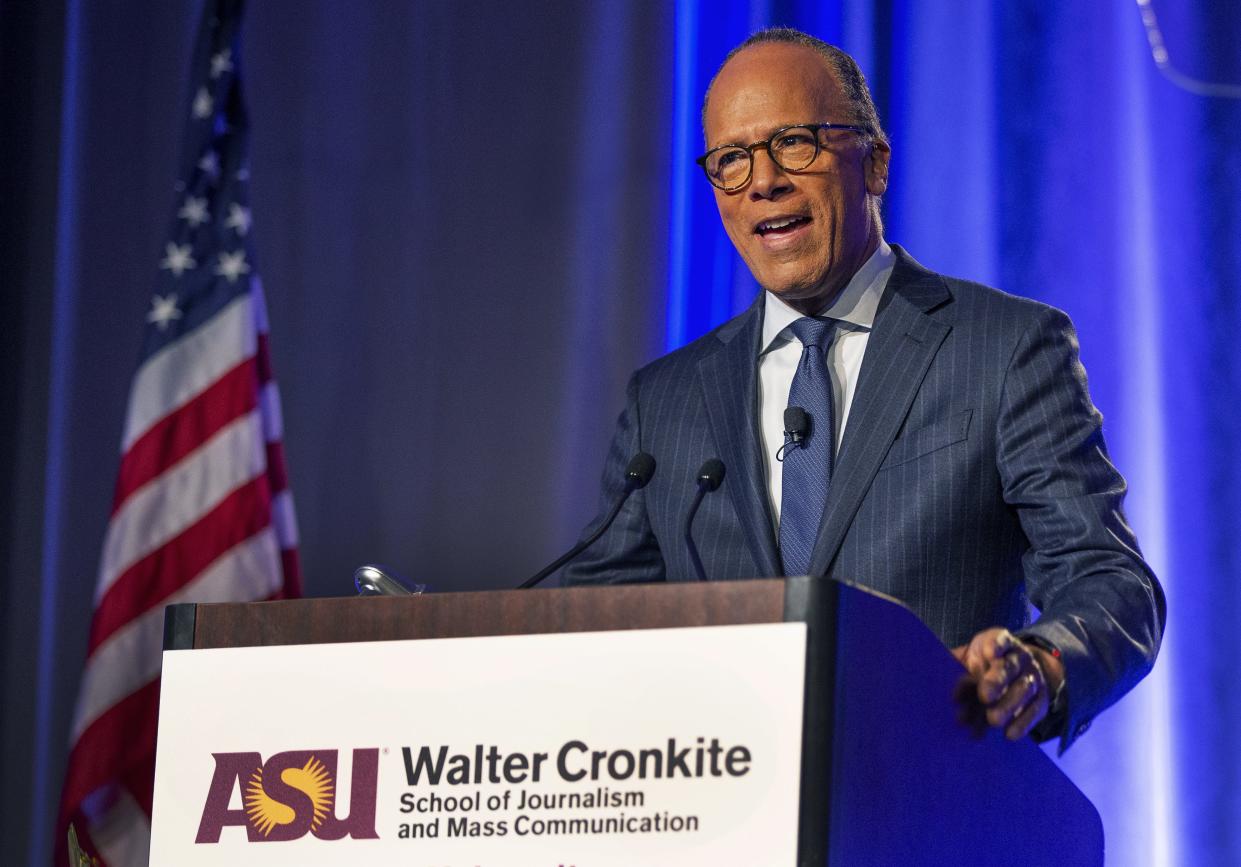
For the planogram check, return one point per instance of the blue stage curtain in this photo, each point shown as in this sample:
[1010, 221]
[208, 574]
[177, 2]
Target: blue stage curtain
[1037, 147]
[453, 331]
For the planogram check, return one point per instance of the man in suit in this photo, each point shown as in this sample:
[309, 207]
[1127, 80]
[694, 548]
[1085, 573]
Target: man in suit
[952, 459]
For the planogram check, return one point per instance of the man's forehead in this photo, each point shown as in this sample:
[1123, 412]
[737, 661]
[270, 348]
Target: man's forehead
[763, 85]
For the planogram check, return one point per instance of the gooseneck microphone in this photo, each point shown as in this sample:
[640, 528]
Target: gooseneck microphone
[796, 428]
[639, 472]
[710, 476]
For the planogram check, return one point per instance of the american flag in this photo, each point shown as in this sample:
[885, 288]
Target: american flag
[202, 511]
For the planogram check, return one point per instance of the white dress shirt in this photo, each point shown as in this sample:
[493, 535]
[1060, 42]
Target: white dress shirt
[855, 307]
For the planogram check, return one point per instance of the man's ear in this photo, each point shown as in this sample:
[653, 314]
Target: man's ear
[877, 168]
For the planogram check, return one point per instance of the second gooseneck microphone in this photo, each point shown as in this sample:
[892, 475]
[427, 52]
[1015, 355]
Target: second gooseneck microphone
[710, 476]
[637, 475]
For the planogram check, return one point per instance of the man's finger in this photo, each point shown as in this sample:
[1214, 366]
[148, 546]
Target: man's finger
[1002, 672]
[1027, 718]
[983, 648]
[1020, 693]
[996, 643]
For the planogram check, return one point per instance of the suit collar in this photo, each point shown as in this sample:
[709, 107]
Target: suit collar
[856, 304]
[900, 351]
[729, 381]
[917, 286]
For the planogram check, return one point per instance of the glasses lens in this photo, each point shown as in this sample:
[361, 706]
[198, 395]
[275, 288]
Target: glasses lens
[729, 167]
[795, 148]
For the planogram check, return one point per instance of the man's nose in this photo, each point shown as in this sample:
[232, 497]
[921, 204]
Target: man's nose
[767, 179]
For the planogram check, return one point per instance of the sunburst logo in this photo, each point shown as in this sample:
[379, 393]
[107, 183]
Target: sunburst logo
[290, 795]
[312, 780]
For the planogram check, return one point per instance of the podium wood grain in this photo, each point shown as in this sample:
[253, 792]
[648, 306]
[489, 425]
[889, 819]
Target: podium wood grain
[463, 615]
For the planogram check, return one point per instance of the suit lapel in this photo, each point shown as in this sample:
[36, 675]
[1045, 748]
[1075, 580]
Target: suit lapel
[729, 381]
[900, 349]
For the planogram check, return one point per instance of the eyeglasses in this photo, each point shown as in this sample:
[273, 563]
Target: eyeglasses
[793, 149]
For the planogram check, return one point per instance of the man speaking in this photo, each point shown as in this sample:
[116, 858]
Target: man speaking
[925, 436]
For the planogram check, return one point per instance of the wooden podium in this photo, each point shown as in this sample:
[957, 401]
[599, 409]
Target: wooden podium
[887, 774]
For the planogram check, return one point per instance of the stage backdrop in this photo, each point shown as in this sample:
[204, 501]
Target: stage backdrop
[453, 328]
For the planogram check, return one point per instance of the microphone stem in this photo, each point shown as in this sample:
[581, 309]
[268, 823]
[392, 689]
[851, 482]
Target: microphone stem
[585, 543]
[689, 536]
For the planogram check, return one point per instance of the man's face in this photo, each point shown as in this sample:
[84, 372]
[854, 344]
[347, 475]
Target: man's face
[802, 234]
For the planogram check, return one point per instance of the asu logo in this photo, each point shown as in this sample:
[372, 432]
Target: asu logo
[289, 795]
[313, 781]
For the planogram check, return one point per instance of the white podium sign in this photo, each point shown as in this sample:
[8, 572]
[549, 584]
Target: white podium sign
[653, 747]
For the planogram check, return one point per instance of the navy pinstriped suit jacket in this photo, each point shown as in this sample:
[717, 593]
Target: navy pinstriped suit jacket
[972, 480]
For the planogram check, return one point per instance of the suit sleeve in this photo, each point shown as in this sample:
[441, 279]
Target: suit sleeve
[1100, 604]
[628, 552]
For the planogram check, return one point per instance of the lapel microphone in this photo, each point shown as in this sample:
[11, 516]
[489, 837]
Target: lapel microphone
[637, 474]
[710, 477]
[796, 428]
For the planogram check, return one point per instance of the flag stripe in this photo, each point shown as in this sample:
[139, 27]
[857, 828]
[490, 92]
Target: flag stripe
[186, 429]
[139, 779]
[111, 741]
[176, 435]
[161, 573]
[129, 659]
[276, 473]
[124, 834]
[118, 739]
[179, 371]
[292, 573]
[131, 656]
[178, 498]
[269, 401]
[261, 322]
[284, 520]
[263, 356]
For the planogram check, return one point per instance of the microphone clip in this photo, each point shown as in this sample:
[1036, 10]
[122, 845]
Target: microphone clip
[796, 429]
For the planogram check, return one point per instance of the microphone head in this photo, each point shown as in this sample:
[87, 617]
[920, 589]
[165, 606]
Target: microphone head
[796, 422]
[711, 474]
[640, 470]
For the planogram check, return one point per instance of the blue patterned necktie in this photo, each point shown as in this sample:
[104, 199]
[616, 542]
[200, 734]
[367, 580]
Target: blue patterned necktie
[808, 467]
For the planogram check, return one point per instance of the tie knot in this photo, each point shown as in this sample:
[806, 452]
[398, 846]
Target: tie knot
[813, 332]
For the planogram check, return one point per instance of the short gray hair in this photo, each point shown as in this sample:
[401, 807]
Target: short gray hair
[847, 72]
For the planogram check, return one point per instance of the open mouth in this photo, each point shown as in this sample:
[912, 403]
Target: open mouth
[780, 226]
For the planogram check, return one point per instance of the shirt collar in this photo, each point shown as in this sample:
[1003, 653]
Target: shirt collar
[856, 304]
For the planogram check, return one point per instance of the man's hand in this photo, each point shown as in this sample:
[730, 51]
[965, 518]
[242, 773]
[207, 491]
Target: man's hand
[1009, 684]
